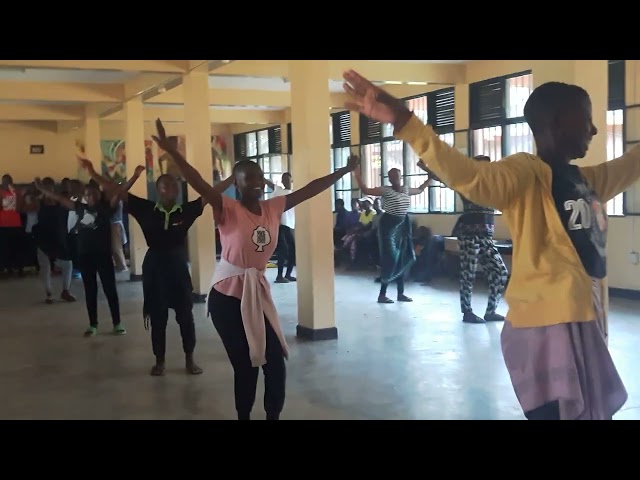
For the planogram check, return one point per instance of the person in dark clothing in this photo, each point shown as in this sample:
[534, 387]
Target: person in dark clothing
[165, 270]
[93, 248]
[50, 235]
[474, 230]
[340, 227]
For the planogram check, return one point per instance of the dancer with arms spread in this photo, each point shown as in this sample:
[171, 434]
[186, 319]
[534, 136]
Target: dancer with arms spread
[165, 270]
[395, 238]
[554, 340]
[240, 302]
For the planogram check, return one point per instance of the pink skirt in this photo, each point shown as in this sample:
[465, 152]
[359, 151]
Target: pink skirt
[569, 363]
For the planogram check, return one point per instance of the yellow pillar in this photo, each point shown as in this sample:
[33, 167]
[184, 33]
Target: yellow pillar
[134, 142]
[314, 219]
[202, 245]
[92, 139]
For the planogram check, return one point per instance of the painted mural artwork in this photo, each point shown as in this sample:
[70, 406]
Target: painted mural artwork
[152, 175]
[114, 160]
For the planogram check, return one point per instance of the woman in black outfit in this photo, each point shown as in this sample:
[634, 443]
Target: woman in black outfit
[93, 251]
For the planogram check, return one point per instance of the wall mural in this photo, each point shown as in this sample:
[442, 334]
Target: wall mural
[114, 160]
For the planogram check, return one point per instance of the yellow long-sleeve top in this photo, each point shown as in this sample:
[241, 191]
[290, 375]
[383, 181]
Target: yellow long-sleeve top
[549, 284]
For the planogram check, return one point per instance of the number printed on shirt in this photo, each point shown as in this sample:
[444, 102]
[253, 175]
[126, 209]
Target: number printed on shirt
[580, 218]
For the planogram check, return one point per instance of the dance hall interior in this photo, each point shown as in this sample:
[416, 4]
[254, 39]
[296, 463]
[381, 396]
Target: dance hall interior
[355, 351]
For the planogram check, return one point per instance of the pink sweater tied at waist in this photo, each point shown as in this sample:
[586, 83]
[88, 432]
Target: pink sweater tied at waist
[256, 303]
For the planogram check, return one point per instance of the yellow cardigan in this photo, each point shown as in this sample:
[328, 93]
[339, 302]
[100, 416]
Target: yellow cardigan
[549, 284]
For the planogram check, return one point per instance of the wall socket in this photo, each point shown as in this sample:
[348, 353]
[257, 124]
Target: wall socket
[634, 258]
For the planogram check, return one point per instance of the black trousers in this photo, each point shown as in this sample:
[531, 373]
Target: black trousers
[159, 317]
[12, 248]
[227, 319]
[286, 251]
[90, 267]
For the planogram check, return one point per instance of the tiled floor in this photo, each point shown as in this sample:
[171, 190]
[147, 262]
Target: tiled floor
[401, 361]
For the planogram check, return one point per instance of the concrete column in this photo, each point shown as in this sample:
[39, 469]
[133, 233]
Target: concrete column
[92, 138]
[197, 121]
[134, 142]
[314, 243]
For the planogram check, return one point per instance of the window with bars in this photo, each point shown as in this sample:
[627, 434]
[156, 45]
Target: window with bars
[496, 114]
[615, 125]
[265, 148]
[340, 134]
[380, 151]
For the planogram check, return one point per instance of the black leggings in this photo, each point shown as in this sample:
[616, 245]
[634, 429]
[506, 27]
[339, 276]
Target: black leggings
[227, 319]
[90, 267]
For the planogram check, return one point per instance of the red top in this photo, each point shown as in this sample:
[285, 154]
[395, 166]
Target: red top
[9, 216]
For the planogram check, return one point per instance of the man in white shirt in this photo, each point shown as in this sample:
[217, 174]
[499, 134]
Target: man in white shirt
[286, 251]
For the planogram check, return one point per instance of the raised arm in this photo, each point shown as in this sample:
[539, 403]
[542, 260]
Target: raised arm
[320, 184]
[493, 184]
[611, 178]
[375, 191]
[209, 194]
[61, 199]
[111, 188]
[421, 188]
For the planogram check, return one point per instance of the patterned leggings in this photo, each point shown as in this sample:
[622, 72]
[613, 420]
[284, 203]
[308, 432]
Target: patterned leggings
[472, 250]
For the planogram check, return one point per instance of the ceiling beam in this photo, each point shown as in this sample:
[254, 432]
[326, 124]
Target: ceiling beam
[169, 114]
[61, 92]
[443, 73]
[17, 113]
[156, 66]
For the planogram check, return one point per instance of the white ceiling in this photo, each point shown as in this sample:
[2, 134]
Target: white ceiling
[215, 107]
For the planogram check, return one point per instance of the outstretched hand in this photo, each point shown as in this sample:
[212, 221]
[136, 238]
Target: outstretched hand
[85, 163]
[161, 139]
[140, 169]
[373, 102]
[353, 163]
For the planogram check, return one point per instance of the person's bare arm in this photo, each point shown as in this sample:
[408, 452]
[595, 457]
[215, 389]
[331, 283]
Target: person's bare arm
[108, 186]
[611, 178]
[375, 191]
[319, 185]
[191, 175]
[425, 184]
[61, 199]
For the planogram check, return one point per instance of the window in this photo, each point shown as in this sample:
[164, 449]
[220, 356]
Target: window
[380, 151]
[265, 148]
[340, 135]
[496, 114]
[615, 125]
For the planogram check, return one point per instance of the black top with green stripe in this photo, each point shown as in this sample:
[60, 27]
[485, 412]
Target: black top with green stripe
[164, 229]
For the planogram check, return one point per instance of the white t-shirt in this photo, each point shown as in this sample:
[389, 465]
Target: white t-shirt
[288, 217]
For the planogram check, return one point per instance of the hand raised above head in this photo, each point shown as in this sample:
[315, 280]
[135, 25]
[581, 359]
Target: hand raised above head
[140, 169]
[161, 139]
[373, 102]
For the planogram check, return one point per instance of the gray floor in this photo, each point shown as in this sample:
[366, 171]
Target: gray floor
[408, 361]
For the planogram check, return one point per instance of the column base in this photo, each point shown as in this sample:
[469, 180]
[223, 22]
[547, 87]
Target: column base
[133, 277]
[314, 335]
[198, 297]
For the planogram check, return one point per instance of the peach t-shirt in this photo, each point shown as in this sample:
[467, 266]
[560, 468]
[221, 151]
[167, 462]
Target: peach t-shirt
[248, 240]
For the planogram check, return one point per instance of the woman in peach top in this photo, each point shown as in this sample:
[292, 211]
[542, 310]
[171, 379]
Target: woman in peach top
[240, 302]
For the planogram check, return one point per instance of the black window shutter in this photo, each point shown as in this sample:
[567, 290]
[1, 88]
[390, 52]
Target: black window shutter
[240, 146]
[289, 140]
[275, 140]
[441, 108]
[370, 131]
[341, 129]
[616, 84]
[486, 103]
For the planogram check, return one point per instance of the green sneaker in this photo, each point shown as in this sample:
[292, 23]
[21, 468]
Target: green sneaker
[91, 332]
[119, 330]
